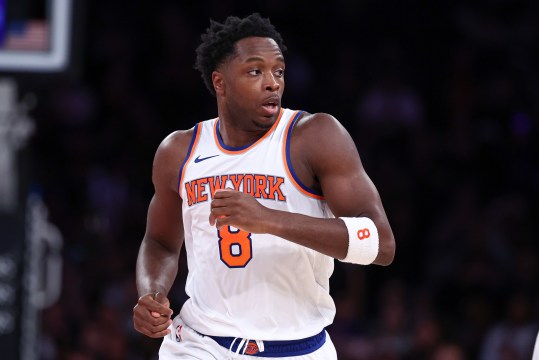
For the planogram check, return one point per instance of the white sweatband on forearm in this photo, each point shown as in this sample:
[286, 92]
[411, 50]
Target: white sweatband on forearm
[362, 240]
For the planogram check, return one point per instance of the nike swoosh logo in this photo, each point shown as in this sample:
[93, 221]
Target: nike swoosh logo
[199, 159]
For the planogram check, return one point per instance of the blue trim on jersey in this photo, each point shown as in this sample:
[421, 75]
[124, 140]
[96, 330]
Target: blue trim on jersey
[193, 138]
[289, 161]
[226, 147]
[278, 348]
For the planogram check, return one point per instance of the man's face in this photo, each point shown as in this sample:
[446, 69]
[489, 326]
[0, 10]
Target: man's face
[253, 81]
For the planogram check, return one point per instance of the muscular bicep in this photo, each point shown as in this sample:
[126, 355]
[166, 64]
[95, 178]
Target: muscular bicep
[164, 220]
[337, 166]
[345, 184]
[328, 160]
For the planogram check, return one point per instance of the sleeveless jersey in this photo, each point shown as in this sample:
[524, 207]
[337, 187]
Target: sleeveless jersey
[254, 286]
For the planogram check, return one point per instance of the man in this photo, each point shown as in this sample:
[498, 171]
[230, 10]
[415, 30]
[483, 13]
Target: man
[265, 199]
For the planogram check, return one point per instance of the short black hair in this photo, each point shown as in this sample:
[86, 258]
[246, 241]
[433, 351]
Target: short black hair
[219, 41]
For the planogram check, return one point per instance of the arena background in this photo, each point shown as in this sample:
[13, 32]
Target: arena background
[440, 97]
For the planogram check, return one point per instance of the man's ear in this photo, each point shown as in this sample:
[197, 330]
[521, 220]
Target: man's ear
[218, 81]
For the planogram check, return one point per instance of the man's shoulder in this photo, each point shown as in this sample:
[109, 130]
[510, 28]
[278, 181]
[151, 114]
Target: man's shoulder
[318, 132]
[178, 138]
[316, 122]
[176, 144]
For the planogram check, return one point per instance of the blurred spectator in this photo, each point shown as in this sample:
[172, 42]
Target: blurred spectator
[514, 336]
[449, 351]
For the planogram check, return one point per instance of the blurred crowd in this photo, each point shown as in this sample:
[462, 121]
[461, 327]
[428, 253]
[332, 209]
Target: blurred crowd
[442, 101]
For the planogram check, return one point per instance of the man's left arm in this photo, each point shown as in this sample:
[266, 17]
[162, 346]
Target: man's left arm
[347, 188]
[325, 152]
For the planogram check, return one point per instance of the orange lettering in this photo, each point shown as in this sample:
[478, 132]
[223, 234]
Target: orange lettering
[190, 192]
[260, 186]
[249, 184]
[236, 181]
[201, 195]
[275, 188]
[217, 183]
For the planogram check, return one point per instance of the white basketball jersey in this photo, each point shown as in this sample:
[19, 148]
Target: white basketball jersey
[254, 286]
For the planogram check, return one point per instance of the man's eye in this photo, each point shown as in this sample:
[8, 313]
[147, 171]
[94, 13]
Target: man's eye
[254, 72]
[279, 72]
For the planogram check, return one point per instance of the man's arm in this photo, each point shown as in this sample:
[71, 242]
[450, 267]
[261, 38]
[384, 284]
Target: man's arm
[157, 262]
[325, 158]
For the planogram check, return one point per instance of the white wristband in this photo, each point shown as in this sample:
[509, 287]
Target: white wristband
[362, 240]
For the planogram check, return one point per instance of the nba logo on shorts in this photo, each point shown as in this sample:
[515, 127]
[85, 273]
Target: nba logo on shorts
[178, 333]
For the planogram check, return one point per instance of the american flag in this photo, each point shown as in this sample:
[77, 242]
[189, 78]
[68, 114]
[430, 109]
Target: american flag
[32, 35]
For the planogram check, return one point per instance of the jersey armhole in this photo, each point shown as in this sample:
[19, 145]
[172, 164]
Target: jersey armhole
[288, 161]
[190, 152]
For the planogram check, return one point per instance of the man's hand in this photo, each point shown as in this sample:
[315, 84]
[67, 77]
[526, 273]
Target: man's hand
[152, 315]
[235, 208]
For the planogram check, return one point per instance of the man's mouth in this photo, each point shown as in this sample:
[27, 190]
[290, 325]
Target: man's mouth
[271, 106]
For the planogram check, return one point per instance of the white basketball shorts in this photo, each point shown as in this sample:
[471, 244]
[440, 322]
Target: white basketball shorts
[185, 343]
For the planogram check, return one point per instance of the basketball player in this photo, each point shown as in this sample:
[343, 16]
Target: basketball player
[265, 198]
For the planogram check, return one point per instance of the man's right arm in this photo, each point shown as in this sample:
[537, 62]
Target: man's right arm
[157, 262]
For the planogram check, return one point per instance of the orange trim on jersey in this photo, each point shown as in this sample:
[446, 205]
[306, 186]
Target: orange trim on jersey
[190, 153]
[243, 150]
[288, 166]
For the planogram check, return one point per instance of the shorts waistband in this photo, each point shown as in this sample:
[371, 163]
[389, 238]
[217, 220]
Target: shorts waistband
[275, 348]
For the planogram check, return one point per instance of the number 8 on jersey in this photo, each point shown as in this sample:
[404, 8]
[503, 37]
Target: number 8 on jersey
[235, 247]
